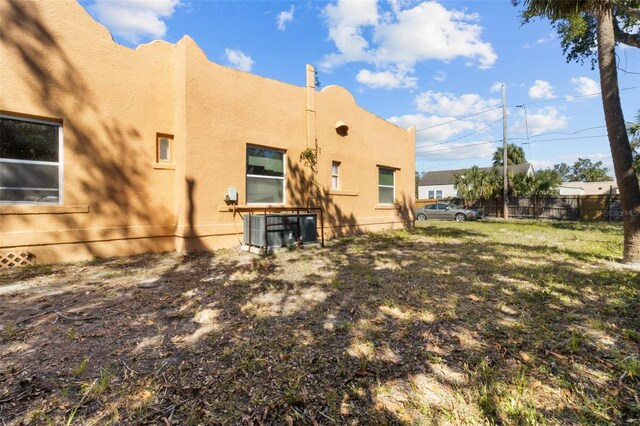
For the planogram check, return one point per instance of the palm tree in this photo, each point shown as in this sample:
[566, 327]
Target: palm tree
[520, 184]
[515, 155]
[474, 184]
[607, 33]
[542, 182]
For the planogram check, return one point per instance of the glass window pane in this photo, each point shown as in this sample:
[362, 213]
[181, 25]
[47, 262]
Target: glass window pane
[267, 191]
[163, 149]
[439, 194]
[430, 194]
[334, 182]
[25, 140]
[385, 195]
[18, 175]
[334, 168]
[29, 195]
[385, 177]
[265, 162]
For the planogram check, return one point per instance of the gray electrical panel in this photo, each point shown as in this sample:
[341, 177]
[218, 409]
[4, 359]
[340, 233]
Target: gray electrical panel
[281, 229]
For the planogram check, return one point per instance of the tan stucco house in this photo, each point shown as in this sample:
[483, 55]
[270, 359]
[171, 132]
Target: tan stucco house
[108, 150]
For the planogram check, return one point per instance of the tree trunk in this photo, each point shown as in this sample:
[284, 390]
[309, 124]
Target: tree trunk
[618, 139]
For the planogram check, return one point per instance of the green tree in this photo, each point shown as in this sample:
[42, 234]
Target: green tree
[419, 176]
[475, 184]
[515, 155]
[581, 25]
[584, 170]
[563, 170]
[542, 182]
[634, 134]
[545, 182]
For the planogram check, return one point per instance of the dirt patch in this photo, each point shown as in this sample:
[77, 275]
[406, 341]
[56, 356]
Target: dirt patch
[403, 327]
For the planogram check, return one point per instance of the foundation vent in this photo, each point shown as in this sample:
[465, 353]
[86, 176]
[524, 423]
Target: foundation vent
[13, 260]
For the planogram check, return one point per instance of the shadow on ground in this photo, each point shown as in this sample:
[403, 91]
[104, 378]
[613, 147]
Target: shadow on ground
[429, 326]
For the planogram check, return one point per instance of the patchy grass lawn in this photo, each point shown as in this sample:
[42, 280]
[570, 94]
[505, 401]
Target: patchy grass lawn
[449, 323]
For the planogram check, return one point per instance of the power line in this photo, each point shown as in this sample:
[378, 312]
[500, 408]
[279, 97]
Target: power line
[569, 133]
[457, 119]
[469, 134]
[500, 140]
[457, 147]
[570, 98]
[570, 139]
[563, 99]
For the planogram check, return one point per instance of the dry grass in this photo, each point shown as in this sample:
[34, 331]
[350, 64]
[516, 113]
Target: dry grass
[450, 323]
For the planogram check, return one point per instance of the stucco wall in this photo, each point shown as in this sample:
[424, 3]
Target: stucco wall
[59, 64]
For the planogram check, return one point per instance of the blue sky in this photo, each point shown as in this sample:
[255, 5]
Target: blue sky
[415, 63]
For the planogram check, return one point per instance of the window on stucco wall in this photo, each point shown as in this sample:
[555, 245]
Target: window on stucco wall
[30, 161]
[265, 176]
[335, 175]
[386, 185]
[164, 148]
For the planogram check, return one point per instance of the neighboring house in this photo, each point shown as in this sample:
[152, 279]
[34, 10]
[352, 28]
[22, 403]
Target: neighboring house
[440, 184]
[108, 150]
[589, 188]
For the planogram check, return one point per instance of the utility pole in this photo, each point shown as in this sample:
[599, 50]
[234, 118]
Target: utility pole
[505, 184]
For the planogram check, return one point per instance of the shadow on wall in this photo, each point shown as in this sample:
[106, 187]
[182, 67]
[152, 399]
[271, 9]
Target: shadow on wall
[105, 161]
[337, 221]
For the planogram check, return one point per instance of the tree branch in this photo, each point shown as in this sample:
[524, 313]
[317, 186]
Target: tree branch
[634, 12]
[632, 40]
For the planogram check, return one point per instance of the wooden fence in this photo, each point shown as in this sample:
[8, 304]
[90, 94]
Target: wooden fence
[559, 207]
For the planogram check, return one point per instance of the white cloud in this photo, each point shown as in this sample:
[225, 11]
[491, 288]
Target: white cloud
[385, 79]
[552, 36]
[585, 86]
[440, 76]
[398, 39]
[436, 129]
[134, 20]
[238, 59]
[429, 142]
[541, 90]
[496, 87]
[450, 104]
[541, 121]
[434, 33]
[284, 17]
[346, 21]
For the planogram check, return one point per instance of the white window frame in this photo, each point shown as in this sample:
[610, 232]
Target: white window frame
[439, 191]
[387, 186]
[335, 164]
[431, 194]
[59, 163]
[283, 178]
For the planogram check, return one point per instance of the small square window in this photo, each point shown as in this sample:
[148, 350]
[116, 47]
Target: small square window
[431, 194]
[438, 194]
[164, 147]
[335, 175]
